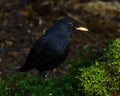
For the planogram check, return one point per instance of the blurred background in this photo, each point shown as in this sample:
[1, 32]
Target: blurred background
[22, 22]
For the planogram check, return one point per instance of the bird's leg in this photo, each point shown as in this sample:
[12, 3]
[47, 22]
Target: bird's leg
[49, 74]
[41, 76]
[54, 75]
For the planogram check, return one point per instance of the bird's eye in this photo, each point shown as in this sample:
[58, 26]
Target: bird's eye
[70, 24]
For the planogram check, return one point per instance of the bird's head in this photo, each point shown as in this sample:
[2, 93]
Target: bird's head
[66, 26]
[71, 25]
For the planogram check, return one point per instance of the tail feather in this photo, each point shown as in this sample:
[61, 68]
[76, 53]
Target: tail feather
[16, 70]
[13, 70]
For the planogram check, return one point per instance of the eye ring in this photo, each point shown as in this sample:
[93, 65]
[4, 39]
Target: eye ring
[70, 24]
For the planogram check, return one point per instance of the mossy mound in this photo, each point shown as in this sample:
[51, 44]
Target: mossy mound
[102, 78]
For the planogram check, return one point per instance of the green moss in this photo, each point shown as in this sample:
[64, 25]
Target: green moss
[103, 77]
[19, 85]
[100, 78]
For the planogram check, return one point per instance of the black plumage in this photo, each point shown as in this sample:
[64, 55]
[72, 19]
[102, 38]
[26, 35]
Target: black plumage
[52, 48]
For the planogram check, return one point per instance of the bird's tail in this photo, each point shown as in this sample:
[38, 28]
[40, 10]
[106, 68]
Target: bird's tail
[15, 70]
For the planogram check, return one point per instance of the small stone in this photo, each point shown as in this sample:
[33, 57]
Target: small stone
[29, 31]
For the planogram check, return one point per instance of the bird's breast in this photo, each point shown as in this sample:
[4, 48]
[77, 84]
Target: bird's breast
[61, 46]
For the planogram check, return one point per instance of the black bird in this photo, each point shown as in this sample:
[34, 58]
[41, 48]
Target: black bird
[52, 48]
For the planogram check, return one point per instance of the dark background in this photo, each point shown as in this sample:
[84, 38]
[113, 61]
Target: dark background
[22, 22]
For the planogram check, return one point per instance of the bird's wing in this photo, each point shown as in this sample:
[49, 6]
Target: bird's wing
[33, 55]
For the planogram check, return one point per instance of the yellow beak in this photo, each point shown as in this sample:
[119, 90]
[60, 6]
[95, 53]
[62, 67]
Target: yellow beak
[82, 29]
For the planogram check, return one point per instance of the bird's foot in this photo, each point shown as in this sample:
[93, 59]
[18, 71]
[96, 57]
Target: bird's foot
[48, 75]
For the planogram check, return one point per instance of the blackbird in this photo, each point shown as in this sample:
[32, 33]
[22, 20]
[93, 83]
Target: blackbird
[52, 48]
